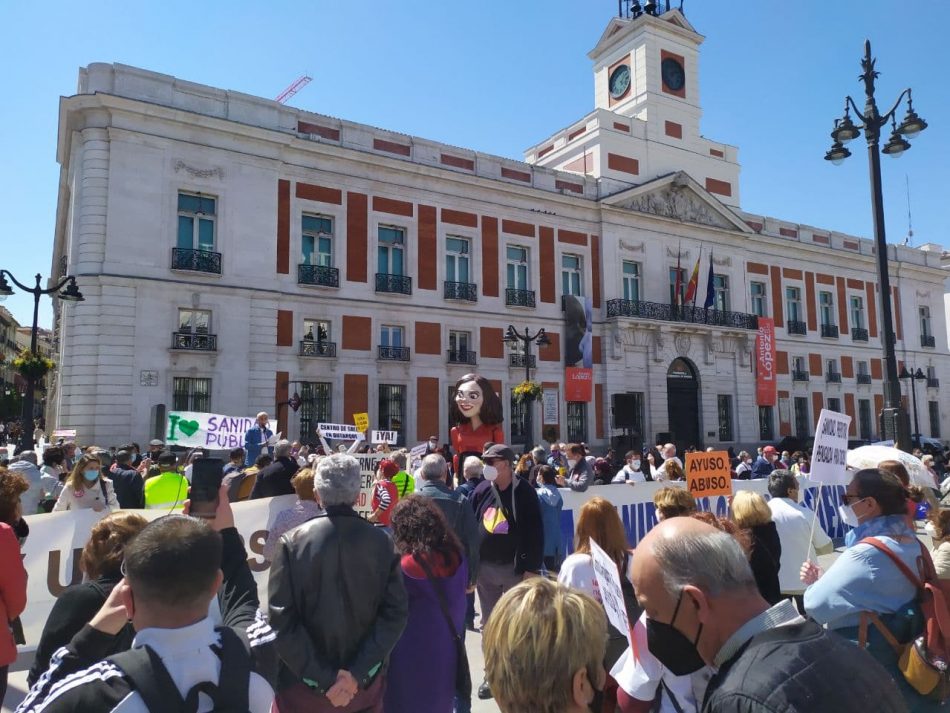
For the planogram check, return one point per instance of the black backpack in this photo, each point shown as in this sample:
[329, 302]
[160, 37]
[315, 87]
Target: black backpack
[149, 677]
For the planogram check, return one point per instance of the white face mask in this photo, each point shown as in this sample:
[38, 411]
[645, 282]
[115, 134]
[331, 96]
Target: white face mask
[848, 516]
[571, 462]
[490, 472]
[635, 464]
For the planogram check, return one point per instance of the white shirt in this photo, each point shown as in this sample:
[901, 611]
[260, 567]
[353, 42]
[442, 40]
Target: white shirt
[627, 473]
[577, 572]
[640, 678]
[660, 473]
[794, 525]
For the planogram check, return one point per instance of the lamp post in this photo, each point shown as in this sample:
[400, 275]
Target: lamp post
[513, 336]
[70, 294]
[895, 422]
[914, 377]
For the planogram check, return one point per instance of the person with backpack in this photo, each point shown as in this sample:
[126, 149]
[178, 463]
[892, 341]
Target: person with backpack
[174, 571]
[866, 596]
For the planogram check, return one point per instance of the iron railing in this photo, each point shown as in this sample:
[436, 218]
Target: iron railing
[196, 260]
[461, 356]
[675, 313]
[519, 298]
[465, 291]
[518, 360]
[394, 353]
[396, 284]
[927, 340]
[933, 382]
[318, 275]
[833, 377]
[794, 326]
[864, 378]
[799, 375]
[829, 331]
[195, 341]
[315, 348]
[859, 334]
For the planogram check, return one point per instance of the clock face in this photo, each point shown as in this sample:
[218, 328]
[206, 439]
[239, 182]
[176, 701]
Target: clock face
[619, 81]
[672, 73]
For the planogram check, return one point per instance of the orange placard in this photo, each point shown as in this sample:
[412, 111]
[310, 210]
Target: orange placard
[708, 474]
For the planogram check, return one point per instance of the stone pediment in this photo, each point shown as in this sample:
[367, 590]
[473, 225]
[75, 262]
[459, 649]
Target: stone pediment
[678, 197]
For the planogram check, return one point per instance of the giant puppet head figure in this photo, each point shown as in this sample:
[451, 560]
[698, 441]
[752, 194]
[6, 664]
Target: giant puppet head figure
[476, 402]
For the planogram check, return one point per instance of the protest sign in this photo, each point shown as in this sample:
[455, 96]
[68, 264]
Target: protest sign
[389, 437]
[708, 474]
[362, 421]
[338, 431]
[63, 433]
[206, 430]
[611, 593]
[416, 455]
[829, 456]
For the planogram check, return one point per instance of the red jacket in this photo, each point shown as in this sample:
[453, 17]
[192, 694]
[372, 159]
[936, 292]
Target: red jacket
[12, 590]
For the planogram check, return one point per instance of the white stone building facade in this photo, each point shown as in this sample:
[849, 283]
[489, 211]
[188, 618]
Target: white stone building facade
[212, 233]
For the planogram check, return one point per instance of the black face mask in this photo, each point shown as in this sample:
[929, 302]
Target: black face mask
[671, 647]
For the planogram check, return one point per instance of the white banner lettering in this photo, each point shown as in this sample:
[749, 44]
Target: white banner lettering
[338, 431]
[206, 430]
[829, 456]
[389, 437]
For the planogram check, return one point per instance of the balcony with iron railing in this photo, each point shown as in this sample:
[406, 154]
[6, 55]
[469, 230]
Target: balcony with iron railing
[833, 377]
[933, 382]
[859, 334]
[461, 356]
[519, 298]
[864, 379]
[196, 260]
[463, 291]
[318, 275]
[519, 360]
[317, 348]
[799, 375]
[393, 353]
[829, 331]
[393, 284]
[638, 309]
[197, 341]
[927, 340]
[794, 326]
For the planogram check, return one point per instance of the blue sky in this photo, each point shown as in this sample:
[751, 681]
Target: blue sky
[496, 76]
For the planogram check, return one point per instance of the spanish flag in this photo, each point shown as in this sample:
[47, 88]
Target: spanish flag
[693, 284]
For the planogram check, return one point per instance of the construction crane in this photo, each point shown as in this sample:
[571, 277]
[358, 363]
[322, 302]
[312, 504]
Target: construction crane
[299, 84]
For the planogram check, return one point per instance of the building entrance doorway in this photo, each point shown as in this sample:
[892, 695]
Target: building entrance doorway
[682, 393]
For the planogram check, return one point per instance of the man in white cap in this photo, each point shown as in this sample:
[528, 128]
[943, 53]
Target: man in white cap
[255, 440]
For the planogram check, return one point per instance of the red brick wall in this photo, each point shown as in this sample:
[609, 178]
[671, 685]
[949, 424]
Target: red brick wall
[491, 345]
[427, 406]
[552, 351]
[357, 333]
[311, 192]
[778, 296]
[428, 338]
[283, 227]
[595, 270]
[810, 301]
[546, 259]
[817, 404]
[428, 249]
[489, 256]
[871, 300]
[356, 237]
[285, 328]
[355, 395]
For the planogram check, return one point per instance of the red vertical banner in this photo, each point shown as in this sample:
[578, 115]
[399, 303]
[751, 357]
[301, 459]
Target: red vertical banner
[579, 384]
[765, 377]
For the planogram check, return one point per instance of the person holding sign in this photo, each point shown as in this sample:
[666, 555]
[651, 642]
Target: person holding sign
[478, 413]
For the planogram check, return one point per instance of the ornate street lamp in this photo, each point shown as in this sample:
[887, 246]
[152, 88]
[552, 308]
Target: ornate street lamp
[512, 337]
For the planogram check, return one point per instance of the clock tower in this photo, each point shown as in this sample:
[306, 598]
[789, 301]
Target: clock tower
[646, 118]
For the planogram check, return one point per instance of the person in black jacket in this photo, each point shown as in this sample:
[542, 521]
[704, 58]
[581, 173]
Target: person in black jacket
[100, 562]
[274, 479]
[128, 482]
[703, 608]
[751, 513]
[173, 567]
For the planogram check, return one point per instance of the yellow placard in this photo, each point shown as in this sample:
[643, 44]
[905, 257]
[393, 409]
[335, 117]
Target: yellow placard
[708, 474]
[362, 421]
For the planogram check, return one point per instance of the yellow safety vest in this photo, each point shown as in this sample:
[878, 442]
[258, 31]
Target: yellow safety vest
[166, 492]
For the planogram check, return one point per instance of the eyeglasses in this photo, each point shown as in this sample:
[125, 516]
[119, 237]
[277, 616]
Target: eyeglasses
[470, 395]
[848, 498]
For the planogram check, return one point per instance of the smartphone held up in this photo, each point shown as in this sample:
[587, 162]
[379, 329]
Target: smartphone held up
[206, 477]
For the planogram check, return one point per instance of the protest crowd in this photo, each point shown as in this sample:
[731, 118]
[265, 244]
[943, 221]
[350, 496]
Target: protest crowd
[723, 613]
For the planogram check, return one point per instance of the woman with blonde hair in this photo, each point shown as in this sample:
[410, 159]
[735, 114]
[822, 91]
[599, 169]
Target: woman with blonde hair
[101, 564]
[672, 501]
[752, 514]
[87, 488]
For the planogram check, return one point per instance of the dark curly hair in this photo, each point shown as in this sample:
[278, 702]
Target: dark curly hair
[12, 486]
[420, 528]
[492, 411]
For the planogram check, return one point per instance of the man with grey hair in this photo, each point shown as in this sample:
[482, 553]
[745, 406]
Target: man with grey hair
[703, 607]
[336, 600]
[25, 465]
[458, 512]
[274, 479]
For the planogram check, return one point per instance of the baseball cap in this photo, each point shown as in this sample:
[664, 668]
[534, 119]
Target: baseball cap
[156, 442]
[499, 451]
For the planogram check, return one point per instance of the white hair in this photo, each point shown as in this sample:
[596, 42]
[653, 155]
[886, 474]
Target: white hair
[282, 449]
[433, 467]
[473, 467]
[337, 480]
[712, 561]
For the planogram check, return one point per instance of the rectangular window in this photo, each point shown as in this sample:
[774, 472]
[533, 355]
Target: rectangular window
[724, 402]
[392, 409]
[759, 300]
[517, 420]
[793, 304]
[831, 366]
[631, 280]
[571, 275]
[317, 330]
[459, 341]
[316, 241]
[517, 268]
[863, 368]
[826, 308]
[834, 404]
[196, 217]
[925, 328]
[798, 364]
[315, 408]
[457, 259]
[576, 421]
[674, 298]
[190, 394]
[934, 409]
[391, 251]
[802, 429]
[857, 312]
[766, 426]
[864, 419]
[390, 336]
[194, 320]
[931, 373]
[721, 293]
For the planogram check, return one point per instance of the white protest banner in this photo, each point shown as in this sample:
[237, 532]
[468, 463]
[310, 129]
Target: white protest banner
[206, 430]
[829, 456]
[416, 455]
[611, 593]
[338, 431]
[63, 433]
[389, 437]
